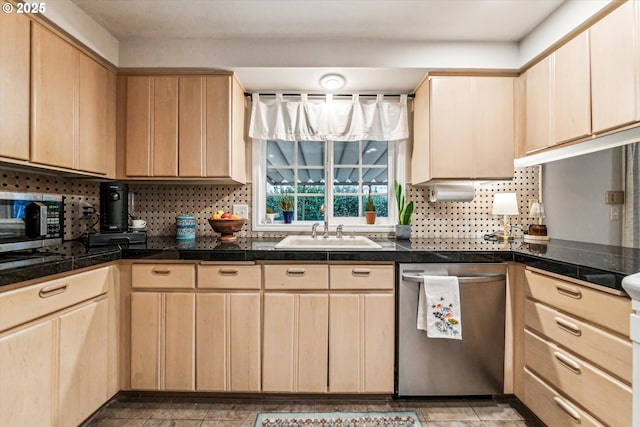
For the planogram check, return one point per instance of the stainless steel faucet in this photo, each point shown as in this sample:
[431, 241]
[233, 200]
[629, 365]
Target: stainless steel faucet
[323, 214]
[339, 231]
[313, 230]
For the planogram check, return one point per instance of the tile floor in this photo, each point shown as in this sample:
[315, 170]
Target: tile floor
[137, 411]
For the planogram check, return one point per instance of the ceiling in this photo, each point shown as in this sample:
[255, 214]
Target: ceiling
[304, 22]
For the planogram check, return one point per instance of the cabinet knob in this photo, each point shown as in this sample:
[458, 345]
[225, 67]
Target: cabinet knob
[567, 326]
[567, 408]
[49, 291]
[360, 272]
[161, 272]
[228, 272]
[296, 272]
[569, 291]
[567, 362]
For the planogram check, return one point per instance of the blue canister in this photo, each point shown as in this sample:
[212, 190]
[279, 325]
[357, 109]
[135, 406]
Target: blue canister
[185, 227]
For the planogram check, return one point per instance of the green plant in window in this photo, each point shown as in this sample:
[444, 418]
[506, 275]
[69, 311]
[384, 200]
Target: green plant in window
[286, 203]
[369, 206]
[269, 210]
[404, 211]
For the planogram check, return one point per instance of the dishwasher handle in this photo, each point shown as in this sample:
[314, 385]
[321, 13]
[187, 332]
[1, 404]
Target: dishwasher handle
[480, 278]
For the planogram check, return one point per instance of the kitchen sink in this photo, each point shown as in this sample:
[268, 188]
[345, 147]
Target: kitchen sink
[335, 243]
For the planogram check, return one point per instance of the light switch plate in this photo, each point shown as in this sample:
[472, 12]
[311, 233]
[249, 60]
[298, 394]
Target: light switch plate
[242, 210]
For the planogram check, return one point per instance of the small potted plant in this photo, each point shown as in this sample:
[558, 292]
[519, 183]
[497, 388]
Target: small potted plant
[271, 216]
[286, 206]
[370, 210]
[403, 229]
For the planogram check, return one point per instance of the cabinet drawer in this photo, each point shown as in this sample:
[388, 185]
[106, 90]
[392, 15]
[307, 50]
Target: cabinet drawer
[584, 383]
[609, 311]
[25, 304]
[229, 277]
[361, 277]
[606, 350]
[154, 276]
[299, 276]
[551, 407]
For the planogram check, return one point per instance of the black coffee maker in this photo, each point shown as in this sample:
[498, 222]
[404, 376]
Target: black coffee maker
[114, 209]
[114, 217]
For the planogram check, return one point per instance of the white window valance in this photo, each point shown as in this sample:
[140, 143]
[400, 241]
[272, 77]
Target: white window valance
[329, 119]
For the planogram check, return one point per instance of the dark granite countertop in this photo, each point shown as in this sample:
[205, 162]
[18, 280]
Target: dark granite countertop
[599, 264]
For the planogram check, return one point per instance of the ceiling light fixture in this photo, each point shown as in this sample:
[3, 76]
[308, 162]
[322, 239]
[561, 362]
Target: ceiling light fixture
[332, 82]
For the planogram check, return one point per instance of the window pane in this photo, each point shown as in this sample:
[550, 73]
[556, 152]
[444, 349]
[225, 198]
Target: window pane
[381, 203]
[309, 208]
[374, 153]
[346, 180]
[277, 177]
[345, 206]
[311, 189]
[280, 153]
[374, 176]
[346, 153]
[311, 176]
[311, 153]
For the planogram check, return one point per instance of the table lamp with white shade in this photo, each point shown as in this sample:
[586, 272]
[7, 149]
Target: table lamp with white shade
[537, 231]
[505, 204]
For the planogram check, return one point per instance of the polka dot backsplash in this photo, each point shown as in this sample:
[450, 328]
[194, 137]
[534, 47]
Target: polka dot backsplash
[159, 204]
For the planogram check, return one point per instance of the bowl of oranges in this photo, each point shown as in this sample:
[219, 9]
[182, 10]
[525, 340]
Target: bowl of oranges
[226, 225]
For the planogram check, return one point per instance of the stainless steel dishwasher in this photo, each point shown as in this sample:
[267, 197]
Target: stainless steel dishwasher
[472, 366]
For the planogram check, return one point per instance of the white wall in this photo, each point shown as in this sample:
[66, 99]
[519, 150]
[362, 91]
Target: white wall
[573, 192]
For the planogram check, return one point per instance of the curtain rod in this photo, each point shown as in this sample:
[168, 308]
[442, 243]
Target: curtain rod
[335, 95]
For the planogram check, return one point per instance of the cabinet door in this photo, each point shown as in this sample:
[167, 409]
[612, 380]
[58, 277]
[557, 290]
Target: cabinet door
[538, 86]
[218, 126]
[493, 111]
[165, 126]
[54, 99]
[83, 362]
[614, 68]
[295, 343]
[179, 341]
[191, 126]
[27, 372]
[572, 90]
[93, 117]
[451, 127]
[138, 145]
[145, 340]
[228, 337]
[361, 343]
[14, 86]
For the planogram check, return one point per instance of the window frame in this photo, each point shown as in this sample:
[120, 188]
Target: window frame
[396, 169]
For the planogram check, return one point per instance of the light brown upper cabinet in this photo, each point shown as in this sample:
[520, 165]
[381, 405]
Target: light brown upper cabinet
[14, 86]
[186, 126]
[70, 112]
[615, 68]
[463, 128]
[558, 97]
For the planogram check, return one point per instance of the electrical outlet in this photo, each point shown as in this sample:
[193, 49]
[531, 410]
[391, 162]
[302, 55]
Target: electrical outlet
[85, 210]
[614, 212]
[242, 210]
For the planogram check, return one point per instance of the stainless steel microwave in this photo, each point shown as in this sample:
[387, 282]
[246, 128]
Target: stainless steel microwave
[30, 220]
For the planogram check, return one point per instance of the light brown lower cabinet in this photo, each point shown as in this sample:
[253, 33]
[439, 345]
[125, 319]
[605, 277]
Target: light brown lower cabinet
[83, 363]
[228, 342]
[163, 341]
[27, 363]
[295, 342]
[361, 343]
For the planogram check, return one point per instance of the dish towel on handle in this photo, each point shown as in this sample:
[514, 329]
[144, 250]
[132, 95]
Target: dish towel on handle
[439, 307]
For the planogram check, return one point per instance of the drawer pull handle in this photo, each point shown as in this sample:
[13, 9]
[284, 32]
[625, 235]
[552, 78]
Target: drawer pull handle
[567, 362]
[567, 408]
[569, 291]
[567, 326]
[228, 272]
[296, 272]
[361, 272]
[49, 291]
[161, 272]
